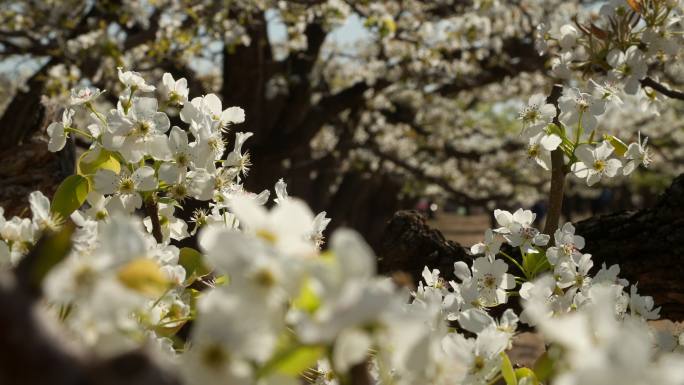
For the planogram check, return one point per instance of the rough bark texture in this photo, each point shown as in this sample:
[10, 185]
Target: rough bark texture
[24, 114]
[649, 246]
[409, 245]
[29, 167]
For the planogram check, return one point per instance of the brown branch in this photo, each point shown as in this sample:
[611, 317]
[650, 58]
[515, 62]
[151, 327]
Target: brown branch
[460, 196]
[319, 114]
[648, 82]
[152, 210]
[558, 173]
[359, 374]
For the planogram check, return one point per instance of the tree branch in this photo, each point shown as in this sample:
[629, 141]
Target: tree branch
[152, 210]
[558, 172]
[420, 174]
[648, 82]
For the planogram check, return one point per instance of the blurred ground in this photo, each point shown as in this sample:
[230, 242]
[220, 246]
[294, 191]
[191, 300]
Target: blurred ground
[464, 229]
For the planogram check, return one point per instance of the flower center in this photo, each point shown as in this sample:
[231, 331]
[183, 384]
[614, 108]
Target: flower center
[582, 104]
[267, 235]
[533, 151]
[126, 185]
[489, 281]
[265, 278]
[528, 232]
[143, 128]
[178, 191]
[214, 356]
[216, 144]
[530, 114]
[478, 364]
[182, 159]
[599, 165]
[568, 248]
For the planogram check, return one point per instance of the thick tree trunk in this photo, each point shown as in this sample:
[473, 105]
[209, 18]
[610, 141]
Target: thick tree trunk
[647, 244]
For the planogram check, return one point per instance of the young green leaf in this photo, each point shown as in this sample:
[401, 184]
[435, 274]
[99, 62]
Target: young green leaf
[507, 370]
[70, 195]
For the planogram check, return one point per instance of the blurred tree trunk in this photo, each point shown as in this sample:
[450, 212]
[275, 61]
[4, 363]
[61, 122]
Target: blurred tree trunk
[25, 114]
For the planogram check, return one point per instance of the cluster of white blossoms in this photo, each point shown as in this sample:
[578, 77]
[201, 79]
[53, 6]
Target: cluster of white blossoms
[616, 48]
[263, 304]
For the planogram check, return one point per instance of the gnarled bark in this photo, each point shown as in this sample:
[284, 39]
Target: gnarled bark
[409, 244]
[649, 246]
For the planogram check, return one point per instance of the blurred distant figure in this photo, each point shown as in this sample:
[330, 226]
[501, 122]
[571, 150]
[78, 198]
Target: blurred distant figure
[427, 207]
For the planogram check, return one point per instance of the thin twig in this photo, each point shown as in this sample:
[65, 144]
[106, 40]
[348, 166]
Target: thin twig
[152, 210]
[648, 82]
[557, 173]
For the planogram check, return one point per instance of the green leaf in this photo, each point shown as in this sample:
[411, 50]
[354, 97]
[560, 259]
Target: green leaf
[543, 367]
[292, 360]
[170, 201]
[193, 263]
[533, 263]
[620, 146]
[507, 370]
[70, 195]
[521, 373]
[50, 250]
[104, 160]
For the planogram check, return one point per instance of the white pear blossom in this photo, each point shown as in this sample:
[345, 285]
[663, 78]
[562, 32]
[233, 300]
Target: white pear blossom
[567, 244]
[175, 91]
[536, 115]
[518, 231]
[134, 81]
[210, 106]
[594, 162]
[568, 37]
[139, 132]
[580, 108]
[630, 66]
[82, 95]
[42, 218]
[642, 306]
[281, 191]
[574, 271]
[480, 355]
[492, 280]
[238, 159]
[286, 227]
[637, 153]
[490, 247]
[126, 187]
[56, 131]
[540, 147]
